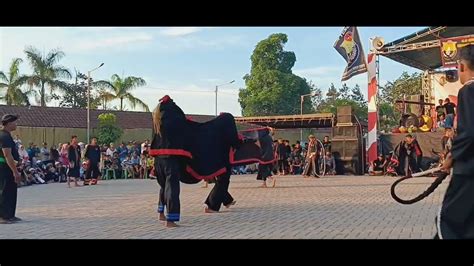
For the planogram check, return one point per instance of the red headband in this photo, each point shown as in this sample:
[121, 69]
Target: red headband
[165, 99]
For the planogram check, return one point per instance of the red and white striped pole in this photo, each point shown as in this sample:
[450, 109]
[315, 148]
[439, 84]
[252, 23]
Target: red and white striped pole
[372, 106]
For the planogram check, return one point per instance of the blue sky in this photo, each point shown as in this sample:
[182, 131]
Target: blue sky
[188, 62]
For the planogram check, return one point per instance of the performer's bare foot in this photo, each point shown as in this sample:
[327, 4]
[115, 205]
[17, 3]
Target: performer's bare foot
[207, 210]
[305, 176]
[264, 185]
[230, 204]
[170, 224]
[162, 217]
[274, 182]
[205, 185]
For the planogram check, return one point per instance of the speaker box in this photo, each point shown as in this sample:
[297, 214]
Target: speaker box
[348, 154]
[345, 131]
[344, 115]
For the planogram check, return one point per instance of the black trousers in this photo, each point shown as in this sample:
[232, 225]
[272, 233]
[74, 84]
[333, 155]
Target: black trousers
[93, 170]
[219, 194]
[281, 165]
[264, 171]
[8, 192]
[168, 171]
[456, 220]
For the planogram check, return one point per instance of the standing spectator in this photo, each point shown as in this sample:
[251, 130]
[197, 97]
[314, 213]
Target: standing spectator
[23, 154]
[74, 158]
[327, 144]
[93, 155]
[440, 110]
[53, 154]
[282, 157]
[298, 149]
[64, 159]
[450, 113]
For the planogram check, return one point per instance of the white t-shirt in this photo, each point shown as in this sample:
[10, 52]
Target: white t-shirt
[110, 152]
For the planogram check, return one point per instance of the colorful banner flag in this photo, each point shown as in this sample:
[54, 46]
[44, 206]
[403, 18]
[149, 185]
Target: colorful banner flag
[350, 47]
[450, 49]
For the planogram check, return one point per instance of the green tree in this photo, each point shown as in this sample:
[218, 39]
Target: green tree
[75, 94]
[406, 84]
[46, 71]
[271, 87]
[357, 95]
[120, 89]
[108, 132]
[12, 82]
[335, 98]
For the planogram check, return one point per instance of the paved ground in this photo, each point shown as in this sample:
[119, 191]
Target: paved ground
[341, 207]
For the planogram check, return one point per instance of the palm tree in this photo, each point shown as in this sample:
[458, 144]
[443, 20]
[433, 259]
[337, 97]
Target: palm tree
[46, 71]
[13, 82]
[119, 88]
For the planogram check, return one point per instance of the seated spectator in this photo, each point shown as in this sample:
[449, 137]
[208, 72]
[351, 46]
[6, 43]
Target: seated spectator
[135, 164]
[441, 121]
[297, 166]
[23, 154]
[116, 165]
[127, 165]
[378, 166]
[143, 165]
[150, 162]
[54, 154]
[330, 163]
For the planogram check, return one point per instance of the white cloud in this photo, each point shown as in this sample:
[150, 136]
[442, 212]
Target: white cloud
[180, 31]
[192, 98]
[111, 42]
[316, 71]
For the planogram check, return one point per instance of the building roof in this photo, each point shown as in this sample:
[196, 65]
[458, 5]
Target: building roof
[36, 116]
[322, 120]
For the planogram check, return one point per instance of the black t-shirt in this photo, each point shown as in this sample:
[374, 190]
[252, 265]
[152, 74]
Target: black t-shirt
[6, 141]
[92, 153]
[450, 108]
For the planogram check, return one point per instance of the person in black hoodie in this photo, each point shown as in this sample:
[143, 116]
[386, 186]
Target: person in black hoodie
[93, 155]
[456, 217]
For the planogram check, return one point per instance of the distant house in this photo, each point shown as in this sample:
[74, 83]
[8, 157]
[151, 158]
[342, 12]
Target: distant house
[56, 125]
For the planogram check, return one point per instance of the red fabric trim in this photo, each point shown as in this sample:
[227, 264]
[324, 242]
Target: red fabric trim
[255, 160]
[165, 99]
[180, 152]
[198, 176]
